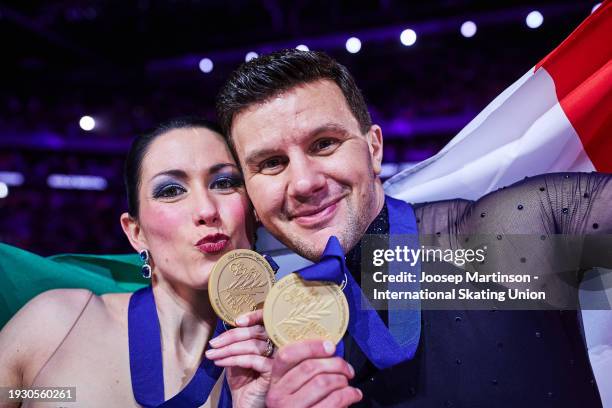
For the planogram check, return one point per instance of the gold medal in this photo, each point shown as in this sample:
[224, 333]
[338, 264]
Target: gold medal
[239, 283]
[297, 310]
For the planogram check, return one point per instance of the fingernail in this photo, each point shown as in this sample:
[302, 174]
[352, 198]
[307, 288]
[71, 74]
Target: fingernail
[329, 346]
[213, 342]
[360, 393]
[210, 353]
[242, 321]
[351, 370]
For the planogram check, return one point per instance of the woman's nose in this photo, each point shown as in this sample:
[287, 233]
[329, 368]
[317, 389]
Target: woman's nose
[206, 212]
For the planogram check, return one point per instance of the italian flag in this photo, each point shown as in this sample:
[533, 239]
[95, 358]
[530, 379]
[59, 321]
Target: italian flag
[557, 117]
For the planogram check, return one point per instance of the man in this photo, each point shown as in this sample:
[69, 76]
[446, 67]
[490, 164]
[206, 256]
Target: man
[311, 159]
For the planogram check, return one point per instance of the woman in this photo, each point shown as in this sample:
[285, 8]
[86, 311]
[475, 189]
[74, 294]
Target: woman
[186, 208]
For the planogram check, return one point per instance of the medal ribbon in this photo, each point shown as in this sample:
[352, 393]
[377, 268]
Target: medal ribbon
[384, 347]
[146, 368]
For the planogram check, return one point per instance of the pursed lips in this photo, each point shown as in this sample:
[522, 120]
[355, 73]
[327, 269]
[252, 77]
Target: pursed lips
[213, 243]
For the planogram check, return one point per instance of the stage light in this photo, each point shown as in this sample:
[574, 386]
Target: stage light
[206, 65]
[302, 47]
[251, 55]
[468, 29]
[3, 190]
[76, 182]
[408, 37]
[534, 19]
[353, 45]
[595, 7]
[11, 178]
[87, 123]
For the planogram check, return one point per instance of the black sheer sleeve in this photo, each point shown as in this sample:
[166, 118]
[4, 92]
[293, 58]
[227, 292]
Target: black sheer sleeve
[561, 203]
[573, 210]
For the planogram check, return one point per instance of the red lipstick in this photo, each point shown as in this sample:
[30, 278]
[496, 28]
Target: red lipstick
[213, 243]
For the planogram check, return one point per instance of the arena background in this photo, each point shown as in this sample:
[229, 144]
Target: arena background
[131, 65]
[128, 66]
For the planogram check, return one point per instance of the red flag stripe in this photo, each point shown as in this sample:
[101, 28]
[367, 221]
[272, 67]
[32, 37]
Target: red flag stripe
[582, 72]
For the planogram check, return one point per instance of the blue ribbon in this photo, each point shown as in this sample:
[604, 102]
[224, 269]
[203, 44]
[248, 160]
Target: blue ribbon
[146, 369]
[384, 347]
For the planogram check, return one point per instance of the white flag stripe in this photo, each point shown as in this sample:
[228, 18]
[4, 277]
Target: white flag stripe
[524, 134]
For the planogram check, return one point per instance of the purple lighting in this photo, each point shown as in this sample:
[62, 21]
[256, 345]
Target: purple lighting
[76, 182]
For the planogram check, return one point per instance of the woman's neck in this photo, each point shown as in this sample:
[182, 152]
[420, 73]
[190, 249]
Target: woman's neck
[186, 318]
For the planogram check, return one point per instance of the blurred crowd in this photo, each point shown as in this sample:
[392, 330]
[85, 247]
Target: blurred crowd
[40, 133]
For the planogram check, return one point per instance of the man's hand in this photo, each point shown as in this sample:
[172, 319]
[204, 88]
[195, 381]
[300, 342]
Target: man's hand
[306, 374]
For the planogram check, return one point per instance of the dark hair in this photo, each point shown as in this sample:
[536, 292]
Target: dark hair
[140, 146]
[269, 75]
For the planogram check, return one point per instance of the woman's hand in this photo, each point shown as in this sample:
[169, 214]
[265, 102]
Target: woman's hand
[245, 352]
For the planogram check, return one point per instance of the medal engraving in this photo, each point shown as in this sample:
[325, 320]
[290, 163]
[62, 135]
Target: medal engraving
[239, 283]
[297, 310]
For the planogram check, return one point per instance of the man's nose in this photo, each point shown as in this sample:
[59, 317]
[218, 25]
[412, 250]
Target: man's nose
[306, 178]
[205, 210]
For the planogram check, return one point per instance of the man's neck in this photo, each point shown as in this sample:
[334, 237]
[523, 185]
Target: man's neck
[379, 225]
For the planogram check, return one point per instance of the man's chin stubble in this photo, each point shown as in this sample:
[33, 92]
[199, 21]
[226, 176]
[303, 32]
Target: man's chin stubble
[313, 250]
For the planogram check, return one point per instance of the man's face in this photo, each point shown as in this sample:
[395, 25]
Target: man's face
[309, 170]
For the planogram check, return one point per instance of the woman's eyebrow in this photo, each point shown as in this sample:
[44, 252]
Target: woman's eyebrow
[219, 166]
[181, 174]
[176, 173]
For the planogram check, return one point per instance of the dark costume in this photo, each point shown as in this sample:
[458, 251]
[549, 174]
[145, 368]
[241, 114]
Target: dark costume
[475, 358]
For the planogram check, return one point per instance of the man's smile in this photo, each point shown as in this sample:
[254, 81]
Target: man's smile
[316, 217]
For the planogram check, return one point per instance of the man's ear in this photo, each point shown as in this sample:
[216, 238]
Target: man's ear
[375, 144]
[132, 231]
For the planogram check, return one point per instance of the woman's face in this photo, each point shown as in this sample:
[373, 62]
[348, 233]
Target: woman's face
[193, 206]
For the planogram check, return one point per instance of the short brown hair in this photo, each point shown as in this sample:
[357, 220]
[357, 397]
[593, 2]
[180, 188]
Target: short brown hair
[269, 75]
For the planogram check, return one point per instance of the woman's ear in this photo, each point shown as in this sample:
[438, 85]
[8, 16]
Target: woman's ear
[132, 231]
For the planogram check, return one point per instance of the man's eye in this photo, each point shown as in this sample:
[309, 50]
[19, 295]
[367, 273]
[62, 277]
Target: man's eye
[172, 190]
[270, 164]
[226, 183]
[323, 144]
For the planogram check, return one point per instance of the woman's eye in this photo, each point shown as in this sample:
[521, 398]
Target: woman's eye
[226, 183]
[169, 191]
